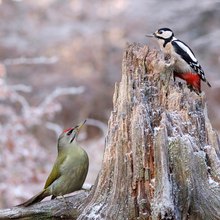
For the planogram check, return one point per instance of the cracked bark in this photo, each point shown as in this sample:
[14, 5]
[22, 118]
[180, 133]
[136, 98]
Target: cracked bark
[161, 158]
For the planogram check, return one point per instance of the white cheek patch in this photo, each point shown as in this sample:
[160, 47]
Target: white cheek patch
[188, 51]
[166, 34]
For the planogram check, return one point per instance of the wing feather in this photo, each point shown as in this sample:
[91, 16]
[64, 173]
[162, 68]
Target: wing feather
[187, 54]
[55, 172]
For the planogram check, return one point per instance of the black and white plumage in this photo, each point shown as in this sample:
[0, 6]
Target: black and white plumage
[187, 55]
[186, 66]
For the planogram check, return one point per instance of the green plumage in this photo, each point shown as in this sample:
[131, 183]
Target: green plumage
[69, 170]
[55, 172]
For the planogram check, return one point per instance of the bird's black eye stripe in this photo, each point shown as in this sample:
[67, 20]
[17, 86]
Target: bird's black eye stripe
[69, 132]
[73, 138]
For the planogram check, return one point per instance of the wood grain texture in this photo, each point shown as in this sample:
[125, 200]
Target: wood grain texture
[161, 158]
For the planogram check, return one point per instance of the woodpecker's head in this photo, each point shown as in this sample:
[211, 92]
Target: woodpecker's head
[69, 135]
[164, 35]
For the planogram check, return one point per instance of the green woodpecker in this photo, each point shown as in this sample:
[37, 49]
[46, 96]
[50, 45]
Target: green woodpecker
[69, 170]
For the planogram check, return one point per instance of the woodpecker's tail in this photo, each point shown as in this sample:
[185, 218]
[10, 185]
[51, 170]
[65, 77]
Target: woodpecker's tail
[37, 198]
[208, 83]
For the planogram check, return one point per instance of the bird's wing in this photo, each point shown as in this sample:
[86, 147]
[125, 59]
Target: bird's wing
[55, 173]
[186, 54]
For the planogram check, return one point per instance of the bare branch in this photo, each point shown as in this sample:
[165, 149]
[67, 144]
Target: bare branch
[54, 127]
[60, 92]
[21, 88]
[35, 60]
[96, 123]
[67, 208]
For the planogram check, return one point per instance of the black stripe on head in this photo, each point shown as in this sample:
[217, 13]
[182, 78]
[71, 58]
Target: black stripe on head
[159, 34]
[165, 29]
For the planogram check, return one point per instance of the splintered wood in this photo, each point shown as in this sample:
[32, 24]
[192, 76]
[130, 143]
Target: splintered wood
[161, 158]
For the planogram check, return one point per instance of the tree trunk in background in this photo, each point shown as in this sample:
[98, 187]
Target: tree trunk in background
[161, 158]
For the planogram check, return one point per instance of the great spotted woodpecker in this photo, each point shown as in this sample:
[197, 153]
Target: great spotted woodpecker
[186, 65]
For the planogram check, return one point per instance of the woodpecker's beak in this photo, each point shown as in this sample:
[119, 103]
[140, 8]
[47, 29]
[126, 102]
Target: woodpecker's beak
[78, 127]
[76, 130]
[150, 35]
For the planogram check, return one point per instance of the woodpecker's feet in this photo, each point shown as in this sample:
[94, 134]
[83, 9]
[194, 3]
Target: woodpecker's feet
[180, 85]
[192, 89]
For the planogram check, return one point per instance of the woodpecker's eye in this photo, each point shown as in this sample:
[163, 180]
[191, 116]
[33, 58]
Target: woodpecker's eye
[69, 131]
[160, 32]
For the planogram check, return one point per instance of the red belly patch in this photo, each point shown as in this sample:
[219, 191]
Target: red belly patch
[192, 79]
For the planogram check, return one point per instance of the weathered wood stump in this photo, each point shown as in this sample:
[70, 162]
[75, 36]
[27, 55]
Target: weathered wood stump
[161, 158]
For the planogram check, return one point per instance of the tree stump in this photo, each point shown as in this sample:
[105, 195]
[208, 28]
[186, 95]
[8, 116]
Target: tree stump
[161, 158]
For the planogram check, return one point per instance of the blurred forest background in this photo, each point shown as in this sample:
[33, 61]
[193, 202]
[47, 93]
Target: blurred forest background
[59, 61]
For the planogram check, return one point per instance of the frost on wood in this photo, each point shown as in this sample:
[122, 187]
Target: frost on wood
[52, 209]
[161, 159]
